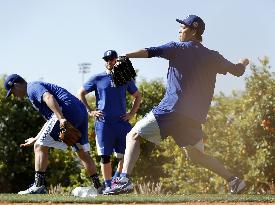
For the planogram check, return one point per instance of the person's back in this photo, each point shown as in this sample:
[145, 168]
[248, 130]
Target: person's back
[71, 106]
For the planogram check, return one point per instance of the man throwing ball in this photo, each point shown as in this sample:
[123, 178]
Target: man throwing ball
[190, 86]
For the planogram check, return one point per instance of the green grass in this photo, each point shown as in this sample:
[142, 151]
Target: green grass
[133, 198]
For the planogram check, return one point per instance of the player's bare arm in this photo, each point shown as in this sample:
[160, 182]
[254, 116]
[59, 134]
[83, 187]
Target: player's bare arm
[136, 104]
[239, 68]
[244, 61]
[81, 95]
[51, 102]
[143, 53]
[30, 141]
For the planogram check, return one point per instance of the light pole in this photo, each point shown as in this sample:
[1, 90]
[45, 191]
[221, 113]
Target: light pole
[83, 69]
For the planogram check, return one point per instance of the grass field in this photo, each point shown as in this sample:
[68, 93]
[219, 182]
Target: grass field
[133, 198]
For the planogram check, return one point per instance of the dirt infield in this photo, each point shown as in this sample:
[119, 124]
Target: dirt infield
[186, 203]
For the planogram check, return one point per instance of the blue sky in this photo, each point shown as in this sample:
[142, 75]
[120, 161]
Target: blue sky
[47, 39]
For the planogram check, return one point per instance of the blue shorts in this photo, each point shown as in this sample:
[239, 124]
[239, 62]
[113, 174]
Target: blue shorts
[111, 136]
[184, 130]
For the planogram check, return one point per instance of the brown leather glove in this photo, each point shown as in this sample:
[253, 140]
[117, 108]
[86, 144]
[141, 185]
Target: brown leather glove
[69, 134]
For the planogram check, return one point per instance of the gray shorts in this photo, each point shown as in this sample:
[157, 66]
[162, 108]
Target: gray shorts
[148, 128]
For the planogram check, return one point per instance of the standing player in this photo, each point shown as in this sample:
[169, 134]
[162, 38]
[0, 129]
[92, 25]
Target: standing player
[56, 105]
[111, 120]
[190, 86]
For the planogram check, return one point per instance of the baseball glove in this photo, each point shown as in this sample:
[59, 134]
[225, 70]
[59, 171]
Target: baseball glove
[123, 71]
[69, 134]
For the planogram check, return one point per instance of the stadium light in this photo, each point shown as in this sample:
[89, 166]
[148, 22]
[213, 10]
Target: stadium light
[83, 69]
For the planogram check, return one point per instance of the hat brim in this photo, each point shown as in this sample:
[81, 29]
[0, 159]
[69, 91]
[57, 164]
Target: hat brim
[182, 22]
[8, 93]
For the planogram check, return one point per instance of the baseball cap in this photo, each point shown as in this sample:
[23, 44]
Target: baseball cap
[194, 22]
[9, 82]
[110, 54]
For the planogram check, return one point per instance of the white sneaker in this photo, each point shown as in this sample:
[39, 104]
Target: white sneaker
[34, 190]
[237, 186]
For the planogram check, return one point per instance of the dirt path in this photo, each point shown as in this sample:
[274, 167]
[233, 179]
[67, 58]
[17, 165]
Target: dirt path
[187, 203]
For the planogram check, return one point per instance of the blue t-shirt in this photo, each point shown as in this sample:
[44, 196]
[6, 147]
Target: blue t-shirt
[191, 78]
[110, 100]
[72, 108]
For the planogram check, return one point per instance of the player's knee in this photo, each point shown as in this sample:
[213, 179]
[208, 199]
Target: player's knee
[105, 159]
[39, 148]
[194, 154]
[83, 155]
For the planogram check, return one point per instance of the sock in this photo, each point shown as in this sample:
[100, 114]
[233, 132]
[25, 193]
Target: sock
[124, 175]
[231, 179]
[95, 180]
[39, 178]
[116, 175]
[108, 183]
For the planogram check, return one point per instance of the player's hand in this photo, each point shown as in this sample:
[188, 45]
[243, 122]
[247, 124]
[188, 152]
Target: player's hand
[96, 113]
[244, 61]
[28, 142]
[127, 116]
[62, 121]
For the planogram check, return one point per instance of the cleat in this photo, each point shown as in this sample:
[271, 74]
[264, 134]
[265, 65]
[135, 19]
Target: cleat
[34, 190]
[100, 190]
[106, 190]
[122, 186]
[237, 186]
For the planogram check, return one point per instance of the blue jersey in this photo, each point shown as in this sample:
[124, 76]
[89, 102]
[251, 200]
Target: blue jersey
[110, 100]
[72, 108]
[191, 78]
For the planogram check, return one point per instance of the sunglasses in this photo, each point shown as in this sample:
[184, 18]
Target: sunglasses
[109, 59]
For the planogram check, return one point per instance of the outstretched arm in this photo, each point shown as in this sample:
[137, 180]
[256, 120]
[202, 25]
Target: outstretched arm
[143, 53]
[30, 141]
[239, 68]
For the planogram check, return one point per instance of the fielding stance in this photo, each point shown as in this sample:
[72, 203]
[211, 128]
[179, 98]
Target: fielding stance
[111, 120]
[190, 86]
[57, 105]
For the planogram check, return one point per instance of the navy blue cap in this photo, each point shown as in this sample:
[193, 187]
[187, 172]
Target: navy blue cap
[194, 22]
[9, 82]
[110, 54]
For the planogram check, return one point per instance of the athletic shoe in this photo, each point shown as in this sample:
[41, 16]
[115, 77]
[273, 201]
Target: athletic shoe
[33, 189]
[106, 190]
[123, 185]
[115, 181]
[237, 186]
[100, 190]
